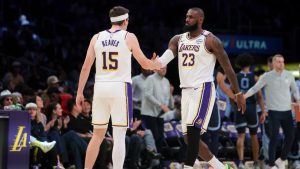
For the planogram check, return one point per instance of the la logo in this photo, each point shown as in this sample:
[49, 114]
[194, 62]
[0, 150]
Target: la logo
[20, 141]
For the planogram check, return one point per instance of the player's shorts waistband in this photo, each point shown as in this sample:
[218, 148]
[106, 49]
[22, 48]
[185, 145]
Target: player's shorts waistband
[107, 81]
[183, 88]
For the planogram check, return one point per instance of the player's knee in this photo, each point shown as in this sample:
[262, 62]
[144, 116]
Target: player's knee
[241, 131]
[253, 131]
[99, 132]
[119, 133]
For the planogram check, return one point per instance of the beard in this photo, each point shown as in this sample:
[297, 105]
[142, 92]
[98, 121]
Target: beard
[190, 28]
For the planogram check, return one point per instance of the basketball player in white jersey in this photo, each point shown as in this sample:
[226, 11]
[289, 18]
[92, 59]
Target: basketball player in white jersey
[197, 51]
[112, 50]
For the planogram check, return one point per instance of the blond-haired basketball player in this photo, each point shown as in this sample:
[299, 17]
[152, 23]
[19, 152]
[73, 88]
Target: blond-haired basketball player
[112, 50]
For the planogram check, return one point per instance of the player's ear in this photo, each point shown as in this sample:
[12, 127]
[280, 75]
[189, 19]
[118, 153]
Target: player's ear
[201, 19]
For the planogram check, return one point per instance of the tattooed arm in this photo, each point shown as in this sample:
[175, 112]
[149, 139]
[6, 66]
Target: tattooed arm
[214, 45]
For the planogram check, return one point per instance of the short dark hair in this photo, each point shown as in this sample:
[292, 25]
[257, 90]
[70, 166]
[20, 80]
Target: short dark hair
[88, 101]
[199, 10]
[70, 104]
[244, 60]
[117, 11]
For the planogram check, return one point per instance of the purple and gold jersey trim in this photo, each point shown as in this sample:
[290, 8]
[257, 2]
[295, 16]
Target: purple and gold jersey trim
[98, 124]
[203, 105]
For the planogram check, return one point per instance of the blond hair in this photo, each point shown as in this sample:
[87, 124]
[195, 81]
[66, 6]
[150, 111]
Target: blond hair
[277, 56]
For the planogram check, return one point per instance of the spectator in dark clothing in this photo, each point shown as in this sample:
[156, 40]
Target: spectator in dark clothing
[68, 142]
[86, 116]
[55, 127]
[138, 139]
[81, 124]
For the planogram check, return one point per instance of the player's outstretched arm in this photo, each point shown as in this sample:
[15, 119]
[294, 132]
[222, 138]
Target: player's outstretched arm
[171, 52]
[138, 54]
[85, 70]
[216, 47]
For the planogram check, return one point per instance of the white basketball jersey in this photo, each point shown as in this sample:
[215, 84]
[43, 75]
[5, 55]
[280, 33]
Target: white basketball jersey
[195, 63]
[113, 57]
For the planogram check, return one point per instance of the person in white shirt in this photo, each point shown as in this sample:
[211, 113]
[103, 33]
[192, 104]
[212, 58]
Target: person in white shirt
[138, 85]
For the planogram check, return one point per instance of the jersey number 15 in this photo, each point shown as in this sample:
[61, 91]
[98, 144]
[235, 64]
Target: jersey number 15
[109, 60]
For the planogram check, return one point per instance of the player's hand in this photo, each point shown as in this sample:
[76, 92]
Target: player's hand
[164, 108]
[154, 56]
[140, 133]
[79, 101]
[262, 117]
[88, 135]
[66, 120]
[240, 102]
[156, 65]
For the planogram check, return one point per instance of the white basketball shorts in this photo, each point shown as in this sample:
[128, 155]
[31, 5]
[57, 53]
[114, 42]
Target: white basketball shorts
[197, 105]
[112, 99]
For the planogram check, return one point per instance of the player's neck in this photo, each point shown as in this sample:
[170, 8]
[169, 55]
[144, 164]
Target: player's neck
[196, 33]
[245, 70]
[115, 27]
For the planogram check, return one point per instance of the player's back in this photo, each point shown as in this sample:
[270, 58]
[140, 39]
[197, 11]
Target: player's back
[113, 57]
[246, 81]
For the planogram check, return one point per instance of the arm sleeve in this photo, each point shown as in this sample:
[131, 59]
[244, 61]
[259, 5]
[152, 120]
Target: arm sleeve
[166, 57]
[259, 84]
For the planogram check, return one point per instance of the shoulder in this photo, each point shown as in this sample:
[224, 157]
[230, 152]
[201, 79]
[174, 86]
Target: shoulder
[212, 42]
[166, 81]
[211, 38]
[290, 74]
[266, 75]
[130, 36]
[176, 38]
[94, 38]
[131, 40]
